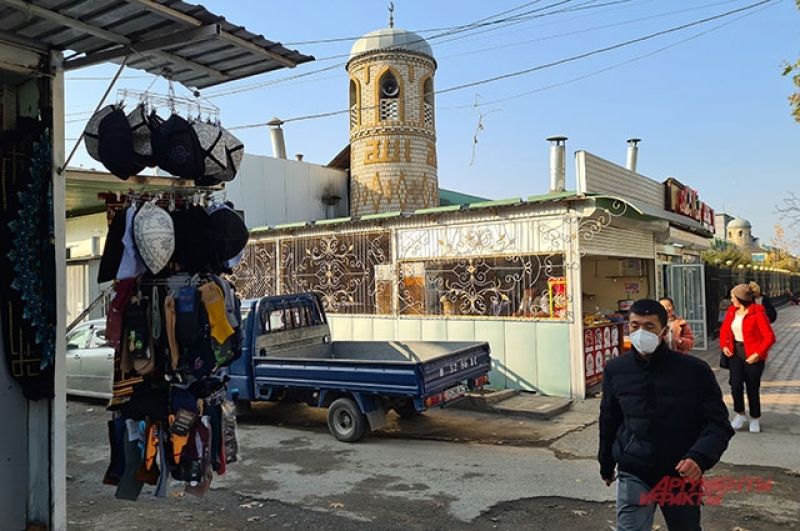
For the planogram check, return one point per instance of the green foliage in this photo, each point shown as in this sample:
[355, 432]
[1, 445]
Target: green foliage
[720, 257]
[793, 70]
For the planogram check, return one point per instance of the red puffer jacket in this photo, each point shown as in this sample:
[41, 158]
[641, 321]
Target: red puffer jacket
[756, 330]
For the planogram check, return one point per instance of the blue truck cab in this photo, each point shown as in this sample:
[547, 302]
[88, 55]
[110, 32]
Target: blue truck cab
[288, 355]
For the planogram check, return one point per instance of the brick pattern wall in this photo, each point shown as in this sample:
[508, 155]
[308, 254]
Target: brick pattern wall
[392, 162]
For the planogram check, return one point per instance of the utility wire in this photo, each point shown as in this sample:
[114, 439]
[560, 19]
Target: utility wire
[459, 29]
[584, 30]
[429, 30]
[614, 66]
[546, 65]
[603, 50]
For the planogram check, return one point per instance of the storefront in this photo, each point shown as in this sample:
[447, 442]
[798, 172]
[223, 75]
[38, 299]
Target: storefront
[32, 240]
[545, 280]
[156, 38]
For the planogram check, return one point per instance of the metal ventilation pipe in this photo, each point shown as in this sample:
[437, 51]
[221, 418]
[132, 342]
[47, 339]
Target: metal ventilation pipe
[633, 153]
[557, 163]
[278, 141]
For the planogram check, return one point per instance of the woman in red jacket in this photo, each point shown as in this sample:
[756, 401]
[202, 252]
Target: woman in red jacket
[745, 337]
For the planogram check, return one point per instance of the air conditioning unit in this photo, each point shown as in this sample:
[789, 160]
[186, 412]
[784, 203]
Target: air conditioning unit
[631, 267]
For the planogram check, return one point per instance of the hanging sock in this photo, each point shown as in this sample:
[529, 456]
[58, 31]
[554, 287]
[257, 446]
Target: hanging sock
[169, 323]
[163, 479]
[116, 436]
[214, 302]
[129, 486]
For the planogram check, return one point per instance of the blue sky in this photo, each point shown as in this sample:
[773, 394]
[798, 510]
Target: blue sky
[712, 112]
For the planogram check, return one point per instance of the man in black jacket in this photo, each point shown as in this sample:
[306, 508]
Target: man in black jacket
[661, 415]
[763, 300]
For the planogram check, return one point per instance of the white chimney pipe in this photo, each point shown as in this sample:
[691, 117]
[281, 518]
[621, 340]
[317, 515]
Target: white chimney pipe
[557, 163]
[633, 153]
[278, 142]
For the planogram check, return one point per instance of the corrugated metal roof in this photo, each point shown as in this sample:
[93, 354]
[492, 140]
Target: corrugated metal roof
[513, 202]
[197, 47]
[451, 197]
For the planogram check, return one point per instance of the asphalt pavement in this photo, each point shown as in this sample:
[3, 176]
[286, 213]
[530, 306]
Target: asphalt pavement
[448, 469]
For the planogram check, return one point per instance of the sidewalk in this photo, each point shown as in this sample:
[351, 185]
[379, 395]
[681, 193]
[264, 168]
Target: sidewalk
[780, 384]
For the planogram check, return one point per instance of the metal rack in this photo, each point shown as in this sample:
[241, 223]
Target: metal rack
[176, 104]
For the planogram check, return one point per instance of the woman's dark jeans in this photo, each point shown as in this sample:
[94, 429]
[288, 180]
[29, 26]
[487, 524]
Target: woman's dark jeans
[743, 374]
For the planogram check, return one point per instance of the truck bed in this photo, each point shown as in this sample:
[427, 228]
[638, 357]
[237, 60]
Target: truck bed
[412, 368]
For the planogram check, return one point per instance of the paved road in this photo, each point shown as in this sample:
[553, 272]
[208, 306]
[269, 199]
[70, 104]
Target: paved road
[449, 470]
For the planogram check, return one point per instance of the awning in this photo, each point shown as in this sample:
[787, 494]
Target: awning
[184, 41]
[649, 212]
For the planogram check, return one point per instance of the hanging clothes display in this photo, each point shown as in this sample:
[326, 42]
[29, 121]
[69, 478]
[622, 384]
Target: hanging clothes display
[28, 290]
[184, 144]
[175, 325]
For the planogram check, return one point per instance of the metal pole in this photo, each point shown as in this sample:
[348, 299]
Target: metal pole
[99, 104]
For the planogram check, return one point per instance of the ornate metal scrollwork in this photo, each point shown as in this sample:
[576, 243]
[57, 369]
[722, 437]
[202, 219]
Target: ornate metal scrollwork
[480, 286]
[255, 275]
[339, 267]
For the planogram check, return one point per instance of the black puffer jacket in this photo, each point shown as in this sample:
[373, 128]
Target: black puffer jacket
[656, 412]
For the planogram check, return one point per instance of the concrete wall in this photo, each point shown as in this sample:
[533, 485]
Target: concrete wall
[81, 230]
[273, 191]
[527, 355]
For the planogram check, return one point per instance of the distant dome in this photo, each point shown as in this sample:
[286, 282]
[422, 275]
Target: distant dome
[391, 38]
[739, 223]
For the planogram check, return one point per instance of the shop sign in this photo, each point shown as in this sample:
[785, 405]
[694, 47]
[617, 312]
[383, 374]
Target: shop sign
[632, 288]
[686, 201]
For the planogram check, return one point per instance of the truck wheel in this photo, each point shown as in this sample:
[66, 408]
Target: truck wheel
[243, 407]
[406, 410]
[346, 421]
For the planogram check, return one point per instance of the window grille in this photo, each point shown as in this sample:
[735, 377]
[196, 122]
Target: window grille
[390, 109]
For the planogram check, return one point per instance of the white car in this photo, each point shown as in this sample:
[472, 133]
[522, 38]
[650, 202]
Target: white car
[90, 361]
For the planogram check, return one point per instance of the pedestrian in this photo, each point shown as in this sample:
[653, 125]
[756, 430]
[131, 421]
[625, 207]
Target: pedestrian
[746, 337]
[661, 418]
[764, 301]
[679, 337]
[791, 297]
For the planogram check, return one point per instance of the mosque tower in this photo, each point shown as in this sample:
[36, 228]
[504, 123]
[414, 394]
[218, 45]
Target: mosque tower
[392, 125]
[740, 233]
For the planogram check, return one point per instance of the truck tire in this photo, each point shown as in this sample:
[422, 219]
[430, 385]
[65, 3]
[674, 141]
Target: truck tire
[406, 410]
[346, 421]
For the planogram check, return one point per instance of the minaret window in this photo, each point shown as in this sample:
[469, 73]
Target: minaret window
[355, 104]
[389, 97]
[427, 106]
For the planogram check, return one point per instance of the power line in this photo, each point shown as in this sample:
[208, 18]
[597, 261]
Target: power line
[547, 65]
[429, 30]
[584, 30]
[602, 50]
[528, 15]
[614, 66]
[446, 32]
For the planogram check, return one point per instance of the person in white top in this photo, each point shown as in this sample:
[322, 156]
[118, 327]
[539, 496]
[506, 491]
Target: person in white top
[745, 338]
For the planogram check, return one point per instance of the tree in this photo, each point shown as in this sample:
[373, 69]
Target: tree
[731, 253]
[793, 69]
[780, 255]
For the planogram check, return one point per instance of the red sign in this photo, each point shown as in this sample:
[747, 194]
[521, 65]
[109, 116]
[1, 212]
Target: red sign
[600, 344]
[685, 201]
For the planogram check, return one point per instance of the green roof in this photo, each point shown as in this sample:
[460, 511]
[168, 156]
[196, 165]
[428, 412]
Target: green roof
[462, 201]
[450, 197]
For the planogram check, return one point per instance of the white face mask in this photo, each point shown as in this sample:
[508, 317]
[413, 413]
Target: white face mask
[645, 342]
